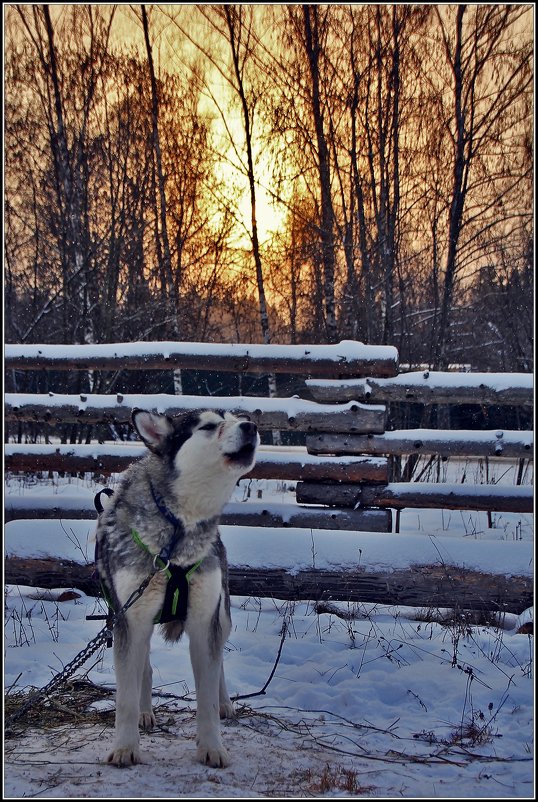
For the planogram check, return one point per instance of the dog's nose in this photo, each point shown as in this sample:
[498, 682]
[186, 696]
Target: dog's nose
[248, 428]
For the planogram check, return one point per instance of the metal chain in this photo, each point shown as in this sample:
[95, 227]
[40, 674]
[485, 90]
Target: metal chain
[78, 661]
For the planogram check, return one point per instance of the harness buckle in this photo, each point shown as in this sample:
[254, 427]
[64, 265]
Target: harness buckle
[158, 557]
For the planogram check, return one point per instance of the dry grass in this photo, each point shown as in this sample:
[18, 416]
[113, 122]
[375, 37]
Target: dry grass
[72, 704]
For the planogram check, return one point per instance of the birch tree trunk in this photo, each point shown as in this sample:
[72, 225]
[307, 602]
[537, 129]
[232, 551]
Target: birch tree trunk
[456, 202]
[313, 49]
[235, 25]
[172, 297]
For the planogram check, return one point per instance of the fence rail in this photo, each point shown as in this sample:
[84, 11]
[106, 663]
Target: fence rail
[430, 387]
[459, 443]
[344, 476]
[285, 414]
[347, 358]
[286, 463]
[423, 586]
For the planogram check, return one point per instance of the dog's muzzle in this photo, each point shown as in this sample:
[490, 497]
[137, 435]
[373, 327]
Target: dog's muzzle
[244, 455]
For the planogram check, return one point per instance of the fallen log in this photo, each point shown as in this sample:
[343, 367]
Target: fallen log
[422, 586]
[412, 569]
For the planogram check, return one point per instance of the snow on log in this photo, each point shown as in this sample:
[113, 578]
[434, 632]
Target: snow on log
[430, 387]
[268, 413]
[347, 358]
[414, 570]
[457, 442]
[288, 463]
[421, 586]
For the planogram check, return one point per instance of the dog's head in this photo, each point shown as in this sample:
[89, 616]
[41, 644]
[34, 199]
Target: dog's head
[205, 439]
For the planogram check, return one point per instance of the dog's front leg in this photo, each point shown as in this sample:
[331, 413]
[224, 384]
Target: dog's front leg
[131, 655]
[208, 626]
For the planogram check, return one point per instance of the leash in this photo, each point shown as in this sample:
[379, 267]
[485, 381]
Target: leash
[105, 635]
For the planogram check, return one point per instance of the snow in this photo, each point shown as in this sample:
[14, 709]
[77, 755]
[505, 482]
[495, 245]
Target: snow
[94, 450]
[436, 380]
[476, 436]
[366, 700]
[291, 408]
[297, 549]
[347, 350]
[412, 489]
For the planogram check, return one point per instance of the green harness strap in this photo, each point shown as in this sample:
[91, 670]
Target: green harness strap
[172, 610]
[175, 601]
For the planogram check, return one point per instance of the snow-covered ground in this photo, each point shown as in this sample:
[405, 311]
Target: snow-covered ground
[365, 700]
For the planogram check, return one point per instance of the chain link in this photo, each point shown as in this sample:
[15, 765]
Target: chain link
[104, 635]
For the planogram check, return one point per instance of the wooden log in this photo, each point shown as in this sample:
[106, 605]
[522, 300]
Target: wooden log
[49, 573]
[291, 515]
[492, 498]
[293, 414]
[423, 586]
[418, 586]
[430, 387]
[251, 513]
[420, 495]
[271, 463]
[343, 359]
[343, 494]
[462, 443]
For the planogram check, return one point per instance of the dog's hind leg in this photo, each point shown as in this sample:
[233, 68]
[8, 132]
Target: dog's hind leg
[226, 709]
[147, 719]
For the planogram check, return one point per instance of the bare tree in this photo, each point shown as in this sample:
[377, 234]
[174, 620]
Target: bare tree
[490, 73]
[69, 136]
[314, 22]
[233, 25]
[163, 244]
[403, 160]
[239, 22]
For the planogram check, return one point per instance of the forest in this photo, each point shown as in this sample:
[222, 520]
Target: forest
[272, 173]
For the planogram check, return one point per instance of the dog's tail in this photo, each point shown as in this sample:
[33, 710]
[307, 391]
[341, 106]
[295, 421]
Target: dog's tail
[172, 631]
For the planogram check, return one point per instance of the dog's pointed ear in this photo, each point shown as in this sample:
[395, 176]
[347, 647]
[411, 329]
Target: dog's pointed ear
[152, 428]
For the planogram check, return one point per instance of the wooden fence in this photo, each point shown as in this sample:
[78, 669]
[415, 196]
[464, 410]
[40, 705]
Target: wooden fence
[345, 477]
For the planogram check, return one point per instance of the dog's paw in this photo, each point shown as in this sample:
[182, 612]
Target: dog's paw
[147, 721]
[214, 756]
[226, 710]
[125, 756]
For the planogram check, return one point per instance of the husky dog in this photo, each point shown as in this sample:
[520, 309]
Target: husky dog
[164, 515]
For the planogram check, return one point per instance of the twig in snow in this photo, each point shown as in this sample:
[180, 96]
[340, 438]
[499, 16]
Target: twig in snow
[271, 675]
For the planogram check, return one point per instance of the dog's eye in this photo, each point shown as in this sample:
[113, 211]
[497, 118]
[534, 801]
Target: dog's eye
[208, 427]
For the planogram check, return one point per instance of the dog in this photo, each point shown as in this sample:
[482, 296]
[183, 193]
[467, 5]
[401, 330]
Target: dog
[163, 518]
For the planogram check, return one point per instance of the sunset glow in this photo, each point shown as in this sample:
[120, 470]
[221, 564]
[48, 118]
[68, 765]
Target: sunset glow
[276, 173]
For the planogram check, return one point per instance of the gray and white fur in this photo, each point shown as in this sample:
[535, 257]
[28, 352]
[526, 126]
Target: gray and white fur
[194, 463]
